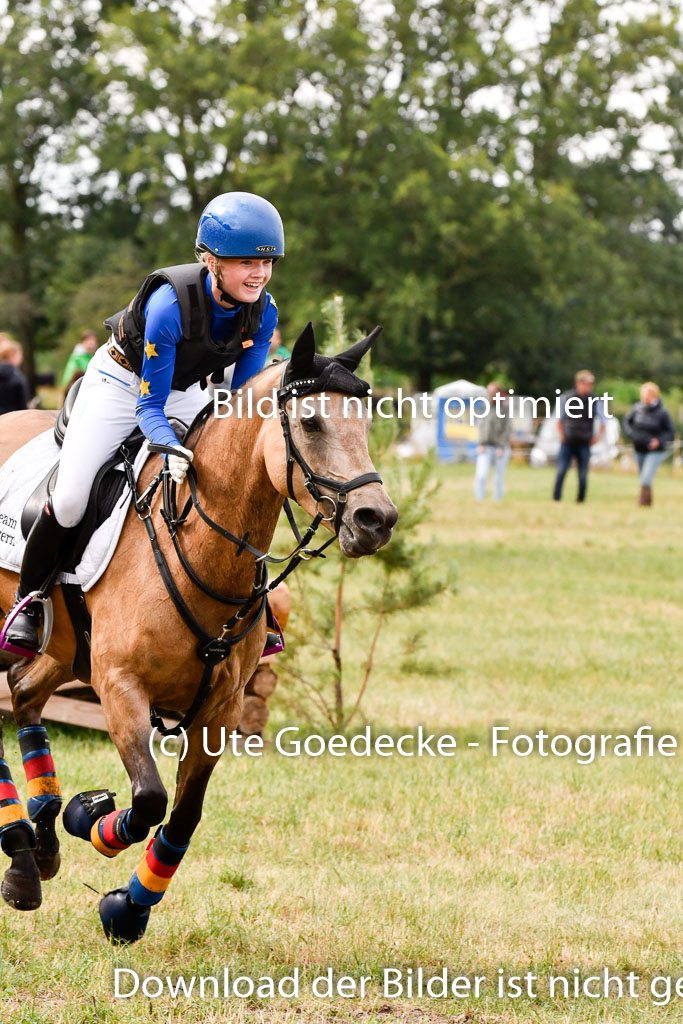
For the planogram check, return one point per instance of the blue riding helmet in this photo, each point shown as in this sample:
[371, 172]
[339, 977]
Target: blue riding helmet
[240, 225]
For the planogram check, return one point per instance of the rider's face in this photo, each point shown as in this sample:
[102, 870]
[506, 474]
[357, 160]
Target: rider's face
[244, 279]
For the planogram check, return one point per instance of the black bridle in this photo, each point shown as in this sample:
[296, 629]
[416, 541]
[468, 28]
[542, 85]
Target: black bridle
[311, 478]
[211, 650]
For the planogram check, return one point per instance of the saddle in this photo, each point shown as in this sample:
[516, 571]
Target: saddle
[105, 492]
[107, 488]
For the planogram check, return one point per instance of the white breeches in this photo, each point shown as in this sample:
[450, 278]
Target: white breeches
[102, 417]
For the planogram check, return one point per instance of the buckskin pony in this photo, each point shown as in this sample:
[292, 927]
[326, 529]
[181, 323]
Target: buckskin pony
[144, 649]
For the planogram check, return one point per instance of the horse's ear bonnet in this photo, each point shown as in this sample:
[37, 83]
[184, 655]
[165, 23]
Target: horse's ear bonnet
[313, 372]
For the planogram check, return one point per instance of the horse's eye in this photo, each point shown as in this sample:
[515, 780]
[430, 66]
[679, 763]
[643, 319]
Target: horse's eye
[311, 424]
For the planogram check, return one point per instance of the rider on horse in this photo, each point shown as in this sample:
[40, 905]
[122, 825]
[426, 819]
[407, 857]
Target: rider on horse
[184, 324]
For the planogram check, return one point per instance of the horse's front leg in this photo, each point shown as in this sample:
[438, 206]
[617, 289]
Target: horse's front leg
[92, 815]
[123, 908]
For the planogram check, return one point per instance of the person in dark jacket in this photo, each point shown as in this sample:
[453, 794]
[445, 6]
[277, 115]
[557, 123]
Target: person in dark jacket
[651, 429]
[579, 412]
[13, 389]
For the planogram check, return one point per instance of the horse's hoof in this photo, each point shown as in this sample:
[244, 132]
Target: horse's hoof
[20, 891]
[48, 863]
[84, 809]
[122, 920]
[46, 852]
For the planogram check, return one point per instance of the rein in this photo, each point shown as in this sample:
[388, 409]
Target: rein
[211, 650]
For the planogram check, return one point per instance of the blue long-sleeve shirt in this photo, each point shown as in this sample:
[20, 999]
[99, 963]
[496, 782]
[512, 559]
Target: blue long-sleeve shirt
[163, 332]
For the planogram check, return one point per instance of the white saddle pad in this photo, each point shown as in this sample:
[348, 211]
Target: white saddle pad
[20, 476]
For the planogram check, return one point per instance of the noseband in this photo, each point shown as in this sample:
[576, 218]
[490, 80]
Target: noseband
[213, 649]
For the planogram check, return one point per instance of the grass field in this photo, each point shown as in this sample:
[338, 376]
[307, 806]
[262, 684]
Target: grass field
[568, 618]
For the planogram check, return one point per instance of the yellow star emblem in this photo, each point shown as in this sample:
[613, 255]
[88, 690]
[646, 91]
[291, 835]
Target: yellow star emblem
[150, 350]
[144, 388]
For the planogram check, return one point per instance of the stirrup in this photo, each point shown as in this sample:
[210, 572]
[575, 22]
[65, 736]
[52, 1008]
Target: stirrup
[48, 621]
[275, 642]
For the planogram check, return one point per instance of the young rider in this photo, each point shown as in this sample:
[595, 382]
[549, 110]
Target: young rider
[184, 324]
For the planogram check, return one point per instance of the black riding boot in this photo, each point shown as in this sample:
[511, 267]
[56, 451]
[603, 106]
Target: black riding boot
[47, 548]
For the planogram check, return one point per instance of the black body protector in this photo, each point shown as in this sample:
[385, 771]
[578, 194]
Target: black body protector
[198, 356]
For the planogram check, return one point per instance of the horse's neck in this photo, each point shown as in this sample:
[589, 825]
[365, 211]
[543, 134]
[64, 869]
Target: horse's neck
[235, 491]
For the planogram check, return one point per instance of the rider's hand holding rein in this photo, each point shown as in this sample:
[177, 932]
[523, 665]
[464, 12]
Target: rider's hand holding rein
[179, 464]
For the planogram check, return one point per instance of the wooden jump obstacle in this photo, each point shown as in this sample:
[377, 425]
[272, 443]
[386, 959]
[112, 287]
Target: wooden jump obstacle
[75, 703]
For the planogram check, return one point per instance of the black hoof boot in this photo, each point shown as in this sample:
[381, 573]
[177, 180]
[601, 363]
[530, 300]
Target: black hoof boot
[84, 809]
[21, 887]
[122, 920]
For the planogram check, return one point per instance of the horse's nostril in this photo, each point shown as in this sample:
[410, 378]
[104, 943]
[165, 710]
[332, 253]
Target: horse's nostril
[368, 519]
[372, 519]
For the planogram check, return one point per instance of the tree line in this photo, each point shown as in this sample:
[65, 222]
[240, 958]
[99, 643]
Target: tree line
[495, 181]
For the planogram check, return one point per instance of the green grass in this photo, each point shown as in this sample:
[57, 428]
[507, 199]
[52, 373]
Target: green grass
[568, 618]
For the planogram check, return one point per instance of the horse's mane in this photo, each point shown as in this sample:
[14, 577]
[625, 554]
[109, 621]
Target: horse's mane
[206, 412]
[275, 362]
[325, 371]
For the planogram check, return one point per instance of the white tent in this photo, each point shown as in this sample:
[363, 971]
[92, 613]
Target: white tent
[451, 435]
[464, 389]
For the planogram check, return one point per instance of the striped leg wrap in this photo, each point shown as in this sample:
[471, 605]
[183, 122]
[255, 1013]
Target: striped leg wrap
[155, 870]
[112, 833]
[43, 785]
[11, 811]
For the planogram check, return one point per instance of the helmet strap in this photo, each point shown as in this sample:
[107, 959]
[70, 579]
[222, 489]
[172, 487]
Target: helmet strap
[224, 296]
[230, 299]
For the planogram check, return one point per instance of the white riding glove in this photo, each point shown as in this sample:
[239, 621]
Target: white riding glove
[177, 464]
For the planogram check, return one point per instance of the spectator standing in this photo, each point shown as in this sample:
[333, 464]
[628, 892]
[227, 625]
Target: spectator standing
[13, 387]
[578, 411]
[494, 444]
[82, 353]
[652, 430]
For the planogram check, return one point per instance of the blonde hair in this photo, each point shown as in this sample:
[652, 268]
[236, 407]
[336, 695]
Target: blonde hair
[584, 375]
[8, 348]
[204, 256]
[651, 386]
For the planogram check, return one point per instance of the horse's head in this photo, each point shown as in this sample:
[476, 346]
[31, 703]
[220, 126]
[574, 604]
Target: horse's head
[319, 452]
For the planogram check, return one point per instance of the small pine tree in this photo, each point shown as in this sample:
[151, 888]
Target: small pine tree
[403, 575]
